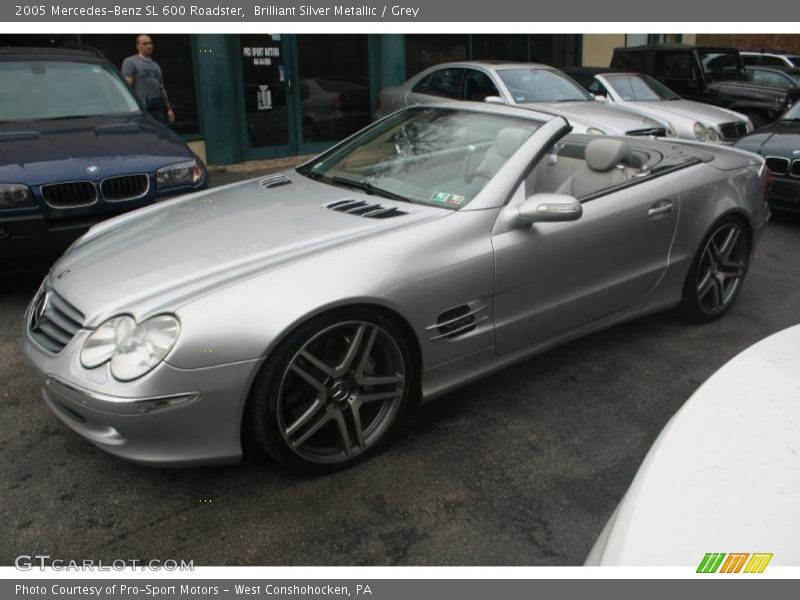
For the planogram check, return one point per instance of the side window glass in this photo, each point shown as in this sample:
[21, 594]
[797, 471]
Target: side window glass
[674, 65]
[768, 78]
[445, 82]
[478, 85]
[749, 60]
[772, 61]
[423, 85]
[597, 88]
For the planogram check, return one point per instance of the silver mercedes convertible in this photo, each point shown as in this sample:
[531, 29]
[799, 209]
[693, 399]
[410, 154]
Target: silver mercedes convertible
[298, 315]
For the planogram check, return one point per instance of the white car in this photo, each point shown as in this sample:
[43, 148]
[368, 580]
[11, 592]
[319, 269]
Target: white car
[723, 477]
[640, 93]
[528, 85]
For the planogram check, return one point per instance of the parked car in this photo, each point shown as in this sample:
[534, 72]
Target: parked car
[722, 476]
[641, 93]
[780, 59]
[707, 74]
[298, 315]
[522, 84]
[779, 144]
[784, 78]
[76, 148]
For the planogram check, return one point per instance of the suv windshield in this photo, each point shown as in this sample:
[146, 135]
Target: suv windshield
[723, 65]
[35, 90]
[541, 85]
[640, 87]
[435, 156]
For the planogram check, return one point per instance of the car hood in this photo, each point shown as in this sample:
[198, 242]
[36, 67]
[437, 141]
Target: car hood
[611, 119]
[689, 110]
[779, 138]
[165, 255]
[35, 152]
[724, 474]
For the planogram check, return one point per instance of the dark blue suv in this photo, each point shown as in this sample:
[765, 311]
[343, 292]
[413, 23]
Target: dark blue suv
[76, 147]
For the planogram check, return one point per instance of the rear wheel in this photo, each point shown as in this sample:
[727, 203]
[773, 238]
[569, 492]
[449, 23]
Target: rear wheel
[717, 272]
[331, 392]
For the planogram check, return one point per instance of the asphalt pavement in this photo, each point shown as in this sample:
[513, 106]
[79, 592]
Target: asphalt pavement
[522, 468]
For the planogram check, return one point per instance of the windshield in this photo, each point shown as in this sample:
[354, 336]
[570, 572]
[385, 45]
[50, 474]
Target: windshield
[541, 85]
[434, 156]
[723, 65]
[640, 87]
[37, 90]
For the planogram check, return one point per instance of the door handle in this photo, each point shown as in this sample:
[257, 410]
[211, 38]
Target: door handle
[662, 207]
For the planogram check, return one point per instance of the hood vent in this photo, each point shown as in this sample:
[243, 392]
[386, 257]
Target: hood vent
[457, 320]
[275, 181]
[365, 209]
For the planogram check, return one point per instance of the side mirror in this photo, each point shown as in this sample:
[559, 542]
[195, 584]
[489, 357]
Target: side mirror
[494, 100]
[545, 208]
[601, 98]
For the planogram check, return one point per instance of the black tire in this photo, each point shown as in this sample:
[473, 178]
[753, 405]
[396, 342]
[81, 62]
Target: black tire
[717, 272]
[313, 415]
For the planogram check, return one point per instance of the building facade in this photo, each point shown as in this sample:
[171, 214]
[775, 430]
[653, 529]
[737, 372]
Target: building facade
[254, 96]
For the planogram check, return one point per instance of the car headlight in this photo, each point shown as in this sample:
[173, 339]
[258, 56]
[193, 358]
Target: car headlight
[102, 344]
[595, 131]
[712, 135]
[15, 195]
[132, 349]
[182, 173]
[700, 132]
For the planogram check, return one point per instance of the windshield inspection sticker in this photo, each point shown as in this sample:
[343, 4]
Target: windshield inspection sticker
[447, 198]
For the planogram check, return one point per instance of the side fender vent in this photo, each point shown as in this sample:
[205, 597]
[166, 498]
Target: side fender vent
[275, 181]
[458, 320]
[365, 209]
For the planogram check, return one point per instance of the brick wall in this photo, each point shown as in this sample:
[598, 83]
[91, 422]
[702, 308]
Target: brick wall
[751, 41]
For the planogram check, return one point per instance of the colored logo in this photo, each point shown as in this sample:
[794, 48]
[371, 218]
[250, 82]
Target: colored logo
[734, 562]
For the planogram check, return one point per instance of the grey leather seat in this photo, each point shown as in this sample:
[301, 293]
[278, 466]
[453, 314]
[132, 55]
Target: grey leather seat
[608, 163]
[507, 142]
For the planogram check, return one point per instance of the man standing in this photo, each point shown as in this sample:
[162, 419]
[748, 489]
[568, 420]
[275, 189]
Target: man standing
[144, 75]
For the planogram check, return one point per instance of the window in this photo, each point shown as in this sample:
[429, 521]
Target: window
[478, 85]
[751, 59]
[770, 78]
[423, 85]
[445, 82]
[773, 61]
[674, 65]
[596, 88]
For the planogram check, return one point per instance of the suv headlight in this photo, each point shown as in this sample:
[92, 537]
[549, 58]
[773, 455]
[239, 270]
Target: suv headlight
[700, 132]
[182, 173]
[15, 195]
[132, 349]
[595, 131]
[712, 134]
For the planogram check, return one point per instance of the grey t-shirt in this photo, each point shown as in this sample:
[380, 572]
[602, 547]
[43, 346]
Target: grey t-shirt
[147, 82]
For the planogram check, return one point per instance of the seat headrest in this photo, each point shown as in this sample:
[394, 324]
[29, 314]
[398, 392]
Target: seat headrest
[509, 140]
[604, 154]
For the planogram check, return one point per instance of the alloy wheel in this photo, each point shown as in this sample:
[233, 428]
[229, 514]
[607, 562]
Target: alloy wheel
[722, 267]
[340, 392]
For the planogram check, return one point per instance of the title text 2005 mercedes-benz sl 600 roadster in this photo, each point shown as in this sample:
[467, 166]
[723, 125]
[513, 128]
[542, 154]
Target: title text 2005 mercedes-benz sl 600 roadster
[299, 314]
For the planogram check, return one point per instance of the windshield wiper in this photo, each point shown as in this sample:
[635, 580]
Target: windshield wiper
[368, 188]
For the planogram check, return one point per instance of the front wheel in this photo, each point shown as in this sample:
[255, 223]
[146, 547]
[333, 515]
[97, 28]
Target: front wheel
[717, 272]
[331, 392]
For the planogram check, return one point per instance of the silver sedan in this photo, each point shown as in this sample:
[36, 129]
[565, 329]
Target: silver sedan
[687, 119]
[524, 84]
[299, 315]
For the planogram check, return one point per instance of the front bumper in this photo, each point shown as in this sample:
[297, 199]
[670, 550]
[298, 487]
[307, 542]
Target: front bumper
[785, 193]
[169, 417]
